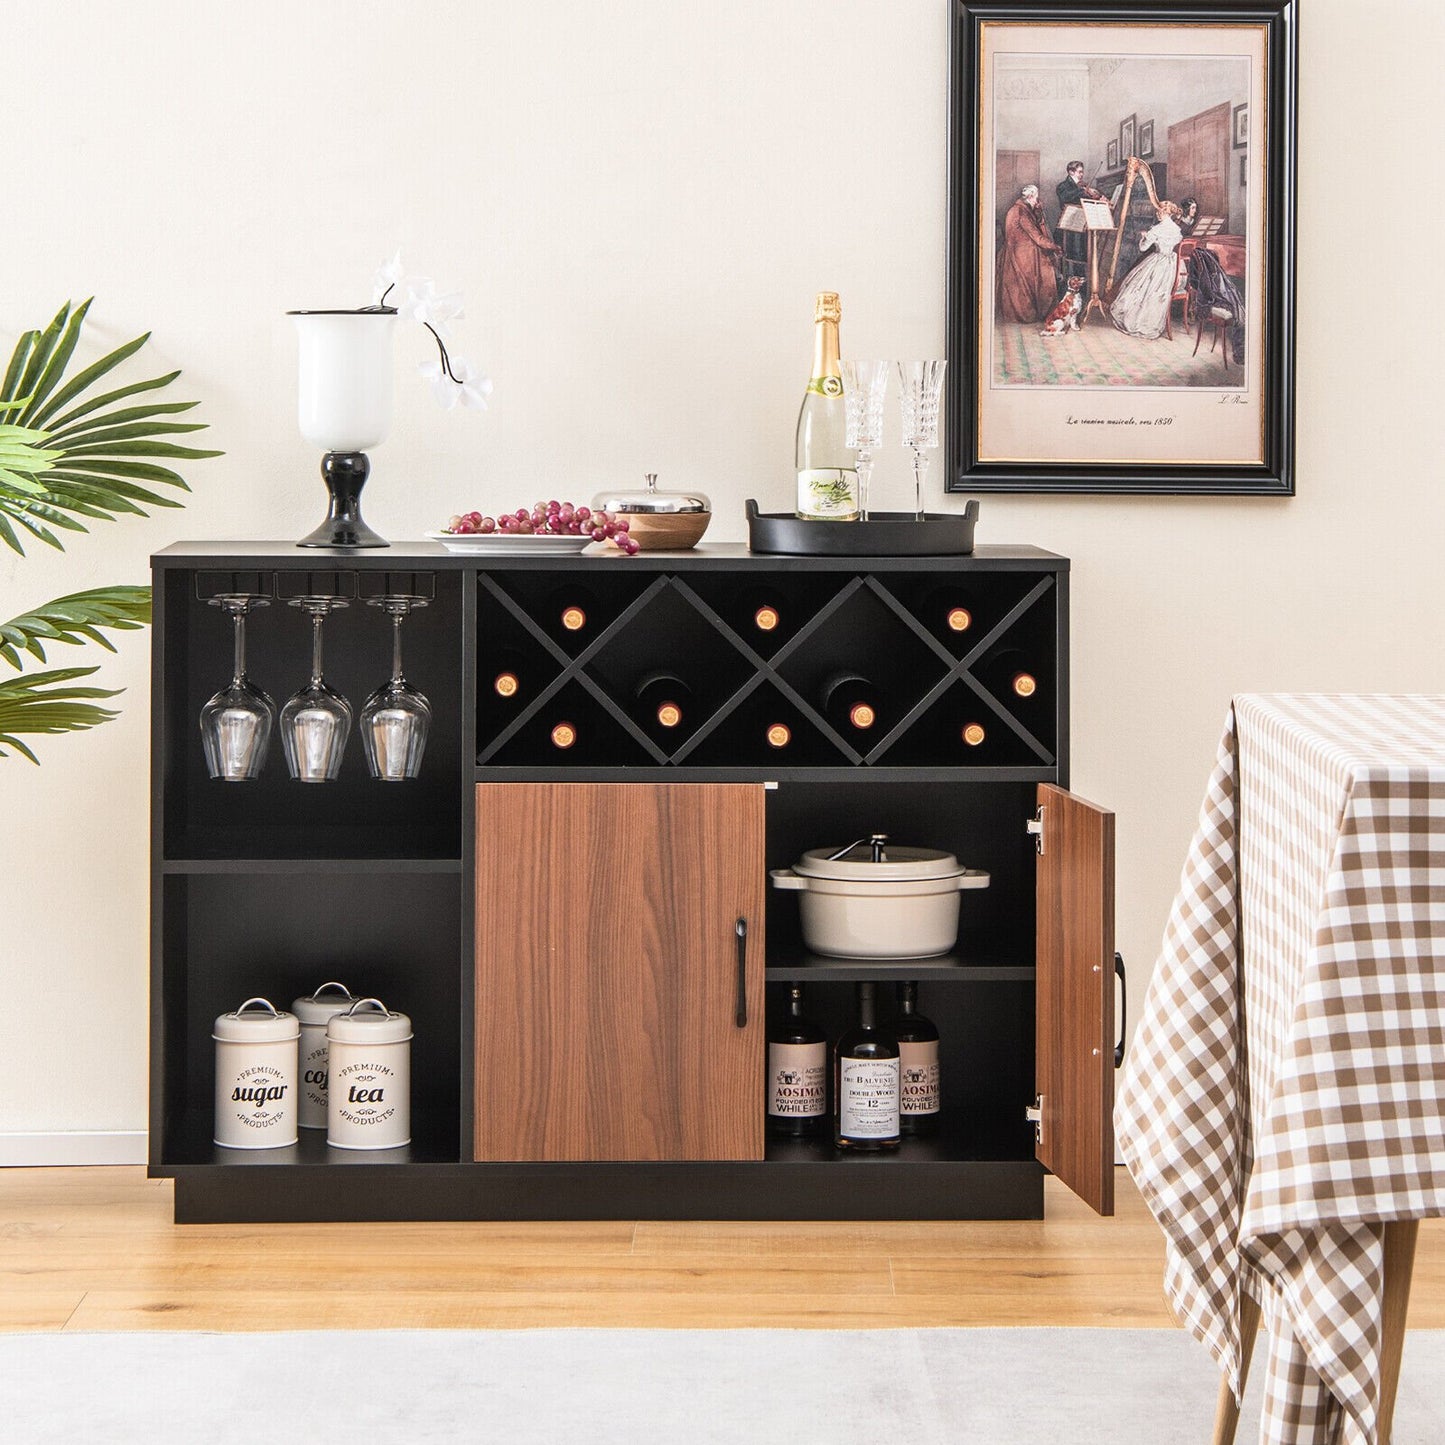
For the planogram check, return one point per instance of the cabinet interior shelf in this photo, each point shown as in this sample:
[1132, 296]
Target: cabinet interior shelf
[815, 968]
[310, 864]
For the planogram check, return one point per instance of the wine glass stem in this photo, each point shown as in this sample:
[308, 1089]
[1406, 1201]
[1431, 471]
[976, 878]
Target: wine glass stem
[238, 666]
[920, 471]
[316, 621]
[865, 471]
[396, 621]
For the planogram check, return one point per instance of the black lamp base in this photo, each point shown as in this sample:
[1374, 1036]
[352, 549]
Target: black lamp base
[345, 474]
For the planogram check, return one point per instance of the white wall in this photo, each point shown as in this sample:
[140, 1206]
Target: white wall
[639, 201]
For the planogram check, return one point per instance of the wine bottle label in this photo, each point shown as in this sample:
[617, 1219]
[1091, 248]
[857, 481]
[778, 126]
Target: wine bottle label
[868, 1098]
[828, 493]
[826, 385]
[797, 1076]
[918, 1070]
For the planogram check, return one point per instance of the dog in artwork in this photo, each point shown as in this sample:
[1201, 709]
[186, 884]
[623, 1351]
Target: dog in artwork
[1065, 316]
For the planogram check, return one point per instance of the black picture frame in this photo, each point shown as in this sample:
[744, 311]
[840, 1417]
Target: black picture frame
[1146, 140]
[1128, 136]
[970, 230]
[1111, 156]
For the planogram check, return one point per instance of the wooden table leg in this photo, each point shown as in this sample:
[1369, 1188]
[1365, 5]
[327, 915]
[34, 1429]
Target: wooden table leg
[1226, 1412]
[1400, 1239]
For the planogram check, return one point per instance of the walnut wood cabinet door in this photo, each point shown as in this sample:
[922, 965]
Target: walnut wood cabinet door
[619, 971]
[1074, 1012]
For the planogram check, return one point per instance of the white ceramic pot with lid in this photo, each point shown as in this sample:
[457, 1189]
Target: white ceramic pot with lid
[369, 1088]
[658, 519]
[876, 899]
[256, 1047]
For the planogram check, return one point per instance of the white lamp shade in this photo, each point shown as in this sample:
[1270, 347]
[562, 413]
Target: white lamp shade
[345, 378]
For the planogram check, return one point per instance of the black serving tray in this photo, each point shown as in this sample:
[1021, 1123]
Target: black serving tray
[884, 534]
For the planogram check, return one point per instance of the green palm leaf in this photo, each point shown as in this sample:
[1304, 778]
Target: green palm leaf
[64, 456]
[44, 704]
[74, 620]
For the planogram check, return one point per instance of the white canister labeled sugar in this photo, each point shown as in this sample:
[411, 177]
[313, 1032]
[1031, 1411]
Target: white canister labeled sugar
[369, 1097]
[256, 1055]
[314, 1013]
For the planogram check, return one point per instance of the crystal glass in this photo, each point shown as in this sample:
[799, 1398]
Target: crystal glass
[865, 389]
[236, 723]
[316, 721]
[395, 719]
[921, 389]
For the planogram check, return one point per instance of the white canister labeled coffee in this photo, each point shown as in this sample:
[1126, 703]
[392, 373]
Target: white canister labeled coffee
[256, 1054]
[369, 1098]
[314, 1013]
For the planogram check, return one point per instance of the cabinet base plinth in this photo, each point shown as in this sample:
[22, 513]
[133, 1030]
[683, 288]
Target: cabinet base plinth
[868, 1189]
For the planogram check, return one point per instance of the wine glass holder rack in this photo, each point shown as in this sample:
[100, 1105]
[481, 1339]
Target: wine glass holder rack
[380, 881]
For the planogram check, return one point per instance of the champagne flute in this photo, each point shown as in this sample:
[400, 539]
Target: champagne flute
[921, 384]
[395, 719]
[316, 721]
[865, 389]
[236, 723]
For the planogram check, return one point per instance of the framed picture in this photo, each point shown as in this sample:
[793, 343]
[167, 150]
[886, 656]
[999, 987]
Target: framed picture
[1241, 126]
[1072, 367]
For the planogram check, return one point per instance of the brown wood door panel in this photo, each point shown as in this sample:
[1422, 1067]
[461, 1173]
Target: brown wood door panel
[606, 971]
[1199, 161]
[1074, 1066]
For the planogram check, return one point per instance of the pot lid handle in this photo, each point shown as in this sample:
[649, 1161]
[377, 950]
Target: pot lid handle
[874, 840]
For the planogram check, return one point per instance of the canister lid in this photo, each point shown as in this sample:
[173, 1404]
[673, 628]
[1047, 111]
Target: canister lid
[257, 1021]
[368, 1021]
[321, 1005]
[895, 864]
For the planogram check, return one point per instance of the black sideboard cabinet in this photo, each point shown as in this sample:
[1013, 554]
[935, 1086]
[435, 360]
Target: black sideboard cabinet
[561, 922]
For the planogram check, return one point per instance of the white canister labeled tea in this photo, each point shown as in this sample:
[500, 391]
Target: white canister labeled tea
[256, 1054]
[314, 1013]
[369, 1097]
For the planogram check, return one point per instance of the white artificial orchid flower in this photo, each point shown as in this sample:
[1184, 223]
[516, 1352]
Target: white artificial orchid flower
[387, 276]
[421, 302]
[464, 385]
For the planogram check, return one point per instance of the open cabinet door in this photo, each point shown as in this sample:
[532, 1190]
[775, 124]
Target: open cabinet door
[1074, 1055]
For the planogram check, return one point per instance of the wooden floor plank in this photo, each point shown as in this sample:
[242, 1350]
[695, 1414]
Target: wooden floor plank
[93, 1249]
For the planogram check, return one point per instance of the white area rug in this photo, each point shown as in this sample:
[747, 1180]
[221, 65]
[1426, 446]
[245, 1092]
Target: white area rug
[641, 1387]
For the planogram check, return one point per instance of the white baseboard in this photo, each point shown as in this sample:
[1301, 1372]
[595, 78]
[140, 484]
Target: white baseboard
[35, 1150]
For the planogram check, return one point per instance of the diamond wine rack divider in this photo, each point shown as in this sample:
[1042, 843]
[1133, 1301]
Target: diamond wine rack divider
[927, 679]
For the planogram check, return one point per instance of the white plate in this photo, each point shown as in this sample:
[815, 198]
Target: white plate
[497, 543]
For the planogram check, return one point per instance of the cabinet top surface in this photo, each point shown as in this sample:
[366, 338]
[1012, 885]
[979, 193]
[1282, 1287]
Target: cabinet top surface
[433, 555]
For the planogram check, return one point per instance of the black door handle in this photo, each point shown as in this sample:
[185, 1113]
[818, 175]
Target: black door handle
[741, 1017]
[1123, 1007]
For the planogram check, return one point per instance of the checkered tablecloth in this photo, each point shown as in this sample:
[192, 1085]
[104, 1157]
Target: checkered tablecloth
[1284, 1095]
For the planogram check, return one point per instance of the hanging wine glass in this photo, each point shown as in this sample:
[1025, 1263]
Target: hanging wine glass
[236, 722]
[921, 384]
[316, 721]
[395, 719]
[865, 389]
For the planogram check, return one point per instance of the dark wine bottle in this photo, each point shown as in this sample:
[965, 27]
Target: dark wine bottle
[778, 735]
[973, 733]
[511, 675]
[760, 609]
[663, 699]
[850, 701]
[564, 735]
[1011, 674]
[919, 1096]
[573, 609]
[949, 611]
[865, 1082]
[797, 1071]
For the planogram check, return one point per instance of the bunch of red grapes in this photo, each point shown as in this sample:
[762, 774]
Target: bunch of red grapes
[549, 519]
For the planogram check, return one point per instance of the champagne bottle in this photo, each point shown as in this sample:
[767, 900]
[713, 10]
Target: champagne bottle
[797, 1070]
[865, 1079]
[919, 1098]
[827, 471]
[663, 699]
[850, 701]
